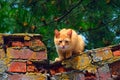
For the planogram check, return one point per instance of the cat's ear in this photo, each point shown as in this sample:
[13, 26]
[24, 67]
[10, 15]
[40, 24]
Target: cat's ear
[69, 33]
[57, 33]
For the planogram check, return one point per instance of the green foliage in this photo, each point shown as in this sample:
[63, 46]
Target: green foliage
[97, 20]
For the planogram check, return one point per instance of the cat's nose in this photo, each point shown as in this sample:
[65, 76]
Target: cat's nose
[63, 47]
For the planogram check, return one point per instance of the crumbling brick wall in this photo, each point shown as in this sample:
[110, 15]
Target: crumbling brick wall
[19, 56]
[24, 57]
[97, 64]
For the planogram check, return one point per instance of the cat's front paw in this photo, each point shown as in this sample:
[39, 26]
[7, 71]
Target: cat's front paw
[58, 59]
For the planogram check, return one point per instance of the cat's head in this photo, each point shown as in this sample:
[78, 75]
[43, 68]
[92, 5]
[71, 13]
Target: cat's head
[62, 39]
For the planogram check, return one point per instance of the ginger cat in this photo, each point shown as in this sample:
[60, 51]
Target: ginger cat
[67, 43]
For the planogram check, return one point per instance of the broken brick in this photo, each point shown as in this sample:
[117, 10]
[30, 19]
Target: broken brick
[17, 44]
[15, 77]
[31, 68]
[116, 53]
[28, 76]
[78, 62]
[29, 62]
[104, 73]
[17, 67]
[41, 55]
[26, 54]
[101, 54]
[27, 43]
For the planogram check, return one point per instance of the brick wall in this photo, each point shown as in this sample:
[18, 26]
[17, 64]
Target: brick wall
[97, 64]
[24, 57]
[19, 54]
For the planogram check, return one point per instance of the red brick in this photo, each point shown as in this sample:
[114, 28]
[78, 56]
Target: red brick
[103, 73]
[29, 63]
[41, 55]
[27, 43]
[27, 77]
[37, 42]
[17, 67]
[17, 44]
[26, 54]
[15, 77]
[116, 53]
[31, 68]
[15, 53]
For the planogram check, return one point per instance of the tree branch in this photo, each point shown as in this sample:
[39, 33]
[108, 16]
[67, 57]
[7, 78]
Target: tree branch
[64, 15]
[69, 11]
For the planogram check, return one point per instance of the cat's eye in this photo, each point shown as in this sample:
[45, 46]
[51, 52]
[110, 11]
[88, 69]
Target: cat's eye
[66, 41]
[60, 41]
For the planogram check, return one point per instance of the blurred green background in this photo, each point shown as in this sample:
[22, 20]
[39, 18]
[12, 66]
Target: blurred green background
[97, 20]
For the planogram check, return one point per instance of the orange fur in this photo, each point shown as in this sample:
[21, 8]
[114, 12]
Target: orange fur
[67, 43]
